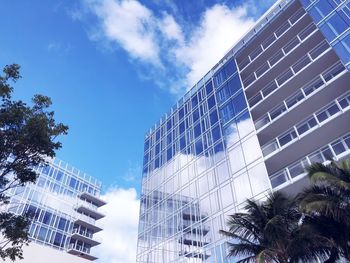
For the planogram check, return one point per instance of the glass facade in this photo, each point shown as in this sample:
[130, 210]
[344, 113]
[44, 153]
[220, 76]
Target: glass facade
[274, 104]
[333, 18]
[63, 206]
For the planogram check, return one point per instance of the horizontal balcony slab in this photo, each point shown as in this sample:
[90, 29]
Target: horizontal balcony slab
[308, 143]
[310, 105]
[85, 239]
[81, 208]
[87, 224]
[79, 253]
[94, 199]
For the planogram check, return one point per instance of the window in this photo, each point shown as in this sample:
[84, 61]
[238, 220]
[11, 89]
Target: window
[194, 101]
[73, 182]
[338, 147]
[284, 139]
[216, 135]
[295, 99]
[277, 112]
[211, 102]
[256, 53]
[291, 45]
[282, 29]
[231, 133]
[213, 117]
[304, 127]
[209, 87]
[284, 77]
[236, 159]
[276, 57]
[334, 26]
[58, 239]
[239, 103]
[261, 70]
[244, 124]
[62, 224]
[199, 146]
[268, 41]
[197, 130]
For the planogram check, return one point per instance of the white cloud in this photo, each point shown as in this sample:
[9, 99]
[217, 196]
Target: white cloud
[171, 29]
[219, 29]
[131, 25]
[119, 237]
[180, 53]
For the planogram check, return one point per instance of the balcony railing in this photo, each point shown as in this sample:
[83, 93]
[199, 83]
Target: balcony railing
[279, 55]
[314, 121]
[284, 28]
[86, 236]
[313, 55]
[338, 149]
[80, 248]
[301, 95]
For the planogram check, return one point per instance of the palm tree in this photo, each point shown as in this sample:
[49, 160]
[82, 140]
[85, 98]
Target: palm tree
[274, 231]
[328, 201]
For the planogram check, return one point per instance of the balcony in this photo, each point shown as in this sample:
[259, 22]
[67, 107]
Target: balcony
[88, 209]
[81, 251]
[314, 121]
[270, 40]
[301, 95]
[92, 198]
[337, 149]
[86, 221]
[276, 84]
[85, 237]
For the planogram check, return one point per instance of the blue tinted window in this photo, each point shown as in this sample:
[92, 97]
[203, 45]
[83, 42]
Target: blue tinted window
[343, 49]
[72, 182]
[324, 8]
[234, 84]
[158, 134]
[230, 68]
[146, 144]
[216, 134]
[157, 148]
[337, 24]
[169, 154]
[328, 32]
[58, 239]
[169, 138]
[211, 102]
[46, 169]
[182, 127]
[213, 117]
[62, 224]
[195, 115]
[220, 77]
[227, 112]
[218, 148]
[156, 163]
[199, 146]
[194, 101]
[181, 113]
[168, 125]
[182, 143]
[208, 87]
[197, 130]
[239, 103]
[305, 3]
[315, 14]
[59, 175]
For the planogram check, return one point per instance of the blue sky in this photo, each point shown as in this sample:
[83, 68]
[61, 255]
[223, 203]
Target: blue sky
[113, 68]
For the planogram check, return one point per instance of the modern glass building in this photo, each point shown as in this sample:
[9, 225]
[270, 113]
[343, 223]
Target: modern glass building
[64, 205]
[278, 101]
